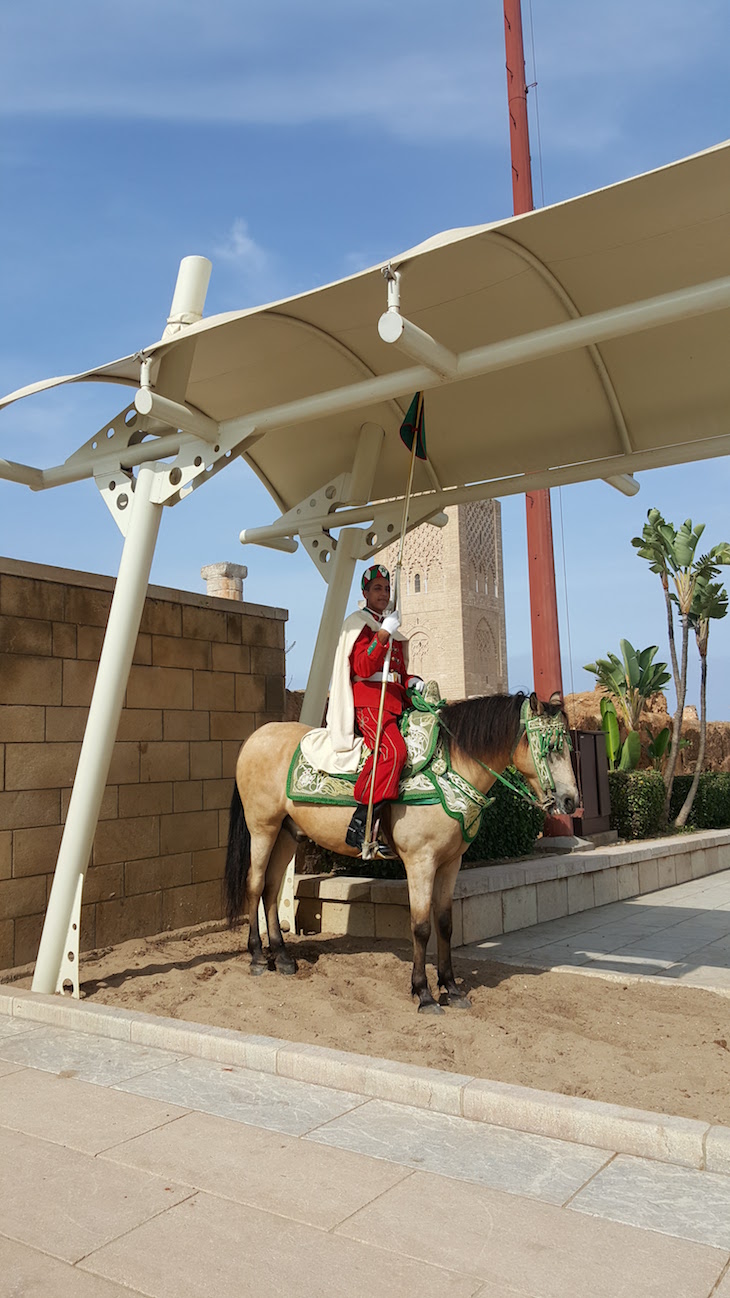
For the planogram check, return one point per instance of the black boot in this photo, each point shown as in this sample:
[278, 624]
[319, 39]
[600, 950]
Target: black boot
[355, 836]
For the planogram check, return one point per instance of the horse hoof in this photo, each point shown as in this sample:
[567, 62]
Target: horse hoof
[257, 970]
[458, 1002]
[288, 967]
[430, 1007]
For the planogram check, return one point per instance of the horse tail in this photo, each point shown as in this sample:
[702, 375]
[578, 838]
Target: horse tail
[238, 859]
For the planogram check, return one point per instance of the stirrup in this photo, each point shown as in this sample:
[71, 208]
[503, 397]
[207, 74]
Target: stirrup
[378, 851]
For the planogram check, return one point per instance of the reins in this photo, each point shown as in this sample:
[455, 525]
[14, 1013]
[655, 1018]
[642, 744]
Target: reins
[546, 734]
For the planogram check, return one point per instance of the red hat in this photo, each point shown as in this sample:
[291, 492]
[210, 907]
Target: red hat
[376, 570]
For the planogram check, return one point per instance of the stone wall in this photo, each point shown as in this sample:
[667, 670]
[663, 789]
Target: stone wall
[206, 673]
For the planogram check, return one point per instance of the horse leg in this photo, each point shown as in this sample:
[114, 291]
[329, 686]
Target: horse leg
[443, 899]
[275, 871]
[261, 848]
[420, 890]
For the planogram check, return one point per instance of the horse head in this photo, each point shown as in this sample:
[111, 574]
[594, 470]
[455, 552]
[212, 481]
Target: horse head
[542, 755]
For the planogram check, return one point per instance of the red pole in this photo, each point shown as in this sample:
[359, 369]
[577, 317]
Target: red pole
[543, 596]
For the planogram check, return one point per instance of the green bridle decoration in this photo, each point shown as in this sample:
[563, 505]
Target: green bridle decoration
[545, 734]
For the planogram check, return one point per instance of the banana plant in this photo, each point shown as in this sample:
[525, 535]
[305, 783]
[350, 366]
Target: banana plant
[630, 680]
[670, 552]
[621, 756]
[657, 746]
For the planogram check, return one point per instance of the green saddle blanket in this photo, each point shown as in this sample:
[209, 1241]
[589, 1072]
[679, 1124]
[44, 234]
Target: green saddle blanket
[427, 776]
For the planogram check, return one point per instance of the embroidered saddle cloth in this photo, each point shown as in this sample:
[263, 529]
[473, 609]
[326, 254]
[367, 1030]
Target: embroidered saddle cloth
[427, 776]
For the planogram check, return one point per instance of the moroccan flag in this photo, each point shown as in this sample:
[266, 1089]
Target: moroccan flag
[414, 425]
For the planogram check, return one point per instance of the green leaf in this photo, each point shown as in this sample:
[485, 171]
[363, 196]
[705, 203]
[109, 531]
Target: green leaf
[610, 727]
[630, 752]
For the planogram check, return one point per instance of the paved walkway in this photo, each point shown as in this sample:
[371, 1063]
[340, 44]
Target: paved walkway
[127, 1169]
[681, 933]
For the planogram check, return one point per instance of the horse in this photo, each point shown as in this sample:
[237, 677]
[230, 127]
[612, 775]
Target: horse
[484, 736]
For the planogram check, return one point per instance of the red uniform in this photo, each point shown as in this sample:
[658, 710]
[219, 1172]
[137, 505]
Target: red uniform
[367, 661]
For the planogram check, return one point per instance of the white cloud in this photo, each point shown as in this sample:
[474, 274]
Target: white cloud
[253, 271]
[240, 250]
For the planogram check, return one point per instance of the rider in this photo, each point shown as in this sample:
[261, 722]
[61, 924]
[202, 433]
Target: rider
[367, 660]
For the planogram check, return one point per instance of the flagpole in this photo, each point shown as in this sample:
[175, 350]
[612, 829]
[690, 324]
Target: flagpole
[367, 845]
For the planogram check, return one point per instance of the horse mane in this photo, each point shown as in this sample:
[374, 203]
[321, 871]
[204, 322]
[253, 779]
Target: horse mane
[490, 721]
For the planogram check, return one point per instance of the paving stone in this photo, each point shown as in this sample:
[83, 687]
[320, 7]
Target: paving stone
[77, 1114]
[15, 1027]
[470, 1151]
[266, 1169]
[213, 1245]
[68, 1203]
[523, 1248]
[657, 1196]
[80, 1055]
[28, 1273]
[276, 1103]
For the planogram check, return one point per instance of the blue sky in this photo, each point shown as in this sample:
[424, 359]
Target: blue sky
[293, 144]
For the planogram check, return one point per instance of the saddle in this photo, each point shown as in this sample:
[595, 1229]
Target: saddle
[427, 775]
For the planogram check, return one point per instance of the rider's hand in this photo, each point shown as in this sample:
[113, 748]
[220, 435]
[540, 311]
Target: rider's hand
[391, 622]
[415, 683]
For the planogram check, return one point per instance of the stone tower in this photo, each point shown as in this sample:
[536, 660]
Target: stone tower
[452, 601]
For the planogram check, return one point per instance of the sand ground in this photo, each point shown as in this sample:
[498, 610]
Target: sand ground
[652, 1047]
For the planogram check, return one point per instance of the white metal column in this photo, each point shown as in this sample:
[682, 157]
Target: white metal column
[349, 550]
[58, 939]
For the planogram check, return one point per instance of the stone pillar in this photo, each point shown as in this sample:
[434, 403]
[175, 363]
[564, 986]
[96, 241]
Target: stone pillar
[224, 580]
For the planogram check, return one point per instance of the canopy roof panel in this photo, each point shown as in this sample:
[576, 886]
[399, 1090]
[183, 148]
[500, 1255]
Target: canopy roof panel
[648, 391]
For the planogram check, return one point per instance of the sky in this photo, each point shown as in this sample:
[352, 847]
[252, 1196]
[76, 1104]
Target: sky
[293, 144]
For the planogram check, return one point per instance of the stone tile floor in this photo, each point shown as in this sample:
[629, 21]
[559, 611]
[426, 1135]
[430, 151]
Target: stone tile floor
[128, 1170]
[681, 932]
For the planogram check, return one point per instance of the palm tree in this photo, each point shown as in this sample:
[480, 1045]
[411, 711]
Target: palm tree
[670, 553]
[710, 601]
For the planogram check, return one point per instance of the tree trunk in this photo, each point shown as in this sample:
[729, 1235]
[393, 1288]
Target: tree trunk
[670, 634]
[687, 806]
[677, 719]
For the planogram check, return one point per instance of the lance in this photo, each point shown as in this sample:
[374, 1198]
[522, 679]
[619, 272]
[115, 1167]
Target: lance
[368, 849]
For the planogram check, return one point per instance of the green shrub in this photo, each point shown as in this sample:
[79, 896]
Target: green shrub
[637, 803]
[509, 827]
[711, 806]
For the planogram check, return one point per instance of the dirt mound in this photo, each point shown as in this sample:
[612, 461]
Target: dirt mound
[584, 713]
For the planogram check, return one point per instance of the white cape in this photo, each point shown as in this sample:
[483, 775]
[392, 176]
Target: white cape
[335, 748]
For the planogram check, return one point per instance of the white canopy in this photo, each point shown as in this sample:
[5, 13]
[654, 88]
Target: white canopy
[650, 398]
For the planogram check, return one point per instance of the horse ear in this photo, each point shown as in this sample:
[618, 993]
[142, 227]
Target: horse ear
[556, 699]
[535, 704]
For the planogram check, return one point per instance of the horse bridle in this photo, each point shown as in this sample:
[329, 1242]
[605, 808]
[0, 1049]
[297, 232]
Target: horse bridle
[546, 733]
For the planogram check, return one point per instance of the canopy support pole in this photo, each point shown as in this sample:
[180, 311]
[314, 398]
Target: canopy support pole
[349, 550]
[351, 547]
[56, 961]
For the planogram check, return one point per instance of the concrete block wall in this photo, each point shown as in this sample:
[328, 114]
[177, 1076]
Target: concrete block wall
[206, 673]
[494, 899]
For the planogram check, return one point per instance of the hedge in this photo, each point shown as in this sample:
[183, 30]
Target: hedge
[637, 803]
[711, 806]
[508, 829]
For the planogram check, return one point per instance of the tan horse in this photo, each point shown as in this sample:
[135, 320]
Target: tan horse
[484, 736]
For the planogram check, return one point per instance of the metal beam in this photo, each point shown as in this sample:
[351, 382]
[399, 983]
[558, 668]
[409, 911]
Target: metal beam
[615, 466]
[570, 335]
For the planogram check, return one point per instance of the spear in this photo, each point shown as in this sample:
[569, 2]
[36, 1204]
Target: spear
[413, 425]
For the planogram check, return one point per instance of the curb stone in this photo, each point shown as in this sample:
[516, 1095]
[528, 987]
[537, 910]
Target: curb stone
[683, 1142]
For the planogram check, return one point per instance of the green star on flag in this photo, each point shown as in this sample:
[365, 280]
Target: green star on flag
[414, 425]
